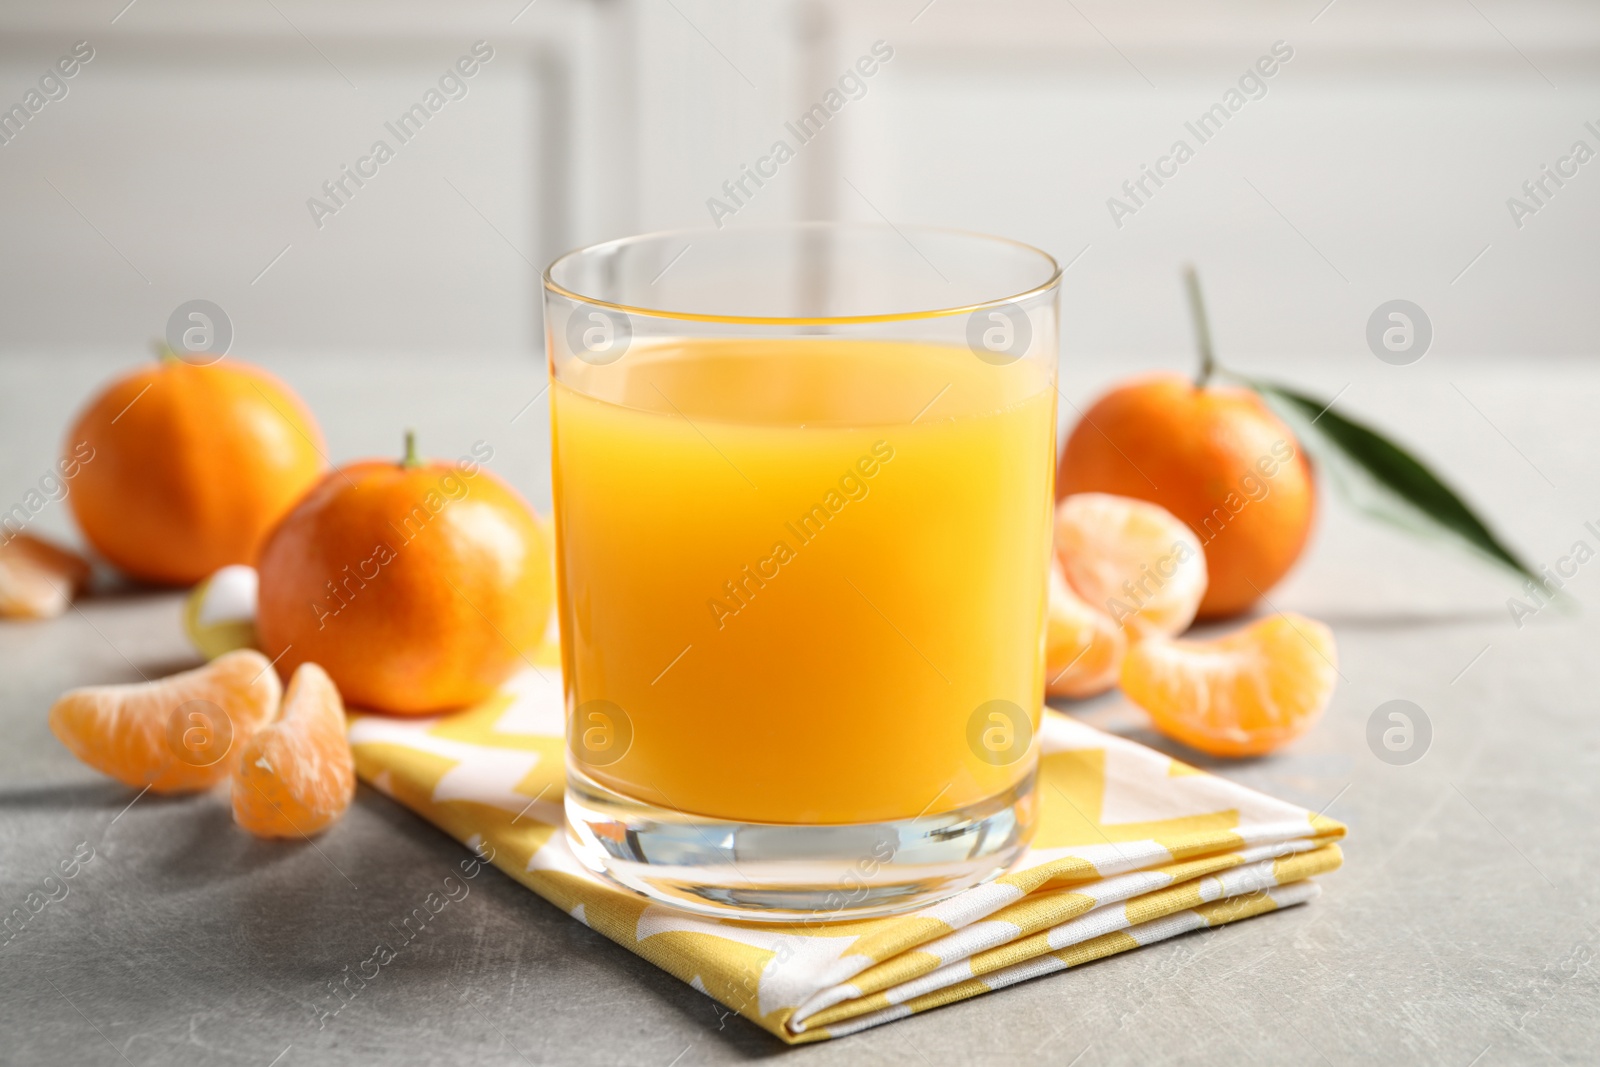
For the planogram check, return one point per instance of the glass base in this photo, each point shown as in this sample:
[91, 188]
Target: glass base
[782, 873]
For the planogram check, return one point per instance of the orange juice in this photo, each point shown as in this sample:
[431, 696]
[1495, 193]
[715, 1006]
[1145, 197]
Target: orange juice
[798, 566]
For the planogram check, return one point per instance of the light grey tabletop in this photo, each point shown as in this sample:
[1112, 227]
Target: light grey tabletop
[1462, 929]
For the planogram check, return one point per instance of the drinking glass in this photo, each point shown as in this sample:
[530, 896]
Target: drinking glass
[803, 487]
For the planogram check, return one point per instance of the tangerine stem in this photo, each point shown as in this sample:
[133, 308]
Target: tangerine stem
[411, 459]
[163, 350]
[1202, 327]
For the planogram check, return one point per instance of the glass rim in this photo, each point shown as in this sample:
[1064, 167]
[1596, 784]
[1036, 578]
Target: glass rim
[1054, 278]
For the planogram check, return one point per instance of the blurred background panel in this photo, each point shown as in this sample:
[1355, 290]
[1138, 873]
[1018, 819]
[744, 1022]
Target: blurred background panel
[181, 161]
[1376, 162]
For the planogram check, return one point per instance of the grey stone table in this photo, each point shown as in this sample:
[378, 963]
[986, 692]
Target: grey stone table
[1462, 929]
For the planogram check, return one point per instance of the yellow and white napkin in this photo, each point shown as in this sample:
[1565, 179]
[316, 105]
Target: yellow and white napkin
[1133, 847]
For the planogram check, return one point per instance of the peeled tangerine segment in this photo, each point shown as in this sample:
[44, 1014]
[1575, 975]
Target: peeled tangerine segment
[1240, 695]
[1083, 648]
[180, 734]
[297, 776]
[38, 579]
[1133, 560]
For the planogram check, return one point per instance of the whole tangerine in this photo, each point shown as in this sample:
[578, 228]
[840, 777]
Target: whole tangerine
[182, 468]
[1215, 457]
[418, 586]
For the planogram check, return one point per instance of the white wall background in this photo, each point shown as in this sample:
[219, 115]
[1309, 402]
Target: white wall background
[1377, 166]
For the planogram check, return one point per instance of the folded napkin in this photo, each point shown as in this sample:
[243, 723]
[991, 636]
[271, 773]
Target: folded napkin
[1132, 848]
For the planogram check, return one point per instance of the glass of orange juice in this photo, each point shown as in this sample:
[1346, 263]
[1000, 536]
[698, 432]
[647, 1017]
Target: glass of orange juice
[803, 491]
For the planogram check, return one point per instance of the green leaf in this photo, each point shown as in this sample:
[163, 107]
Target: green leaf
[1384, 480]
